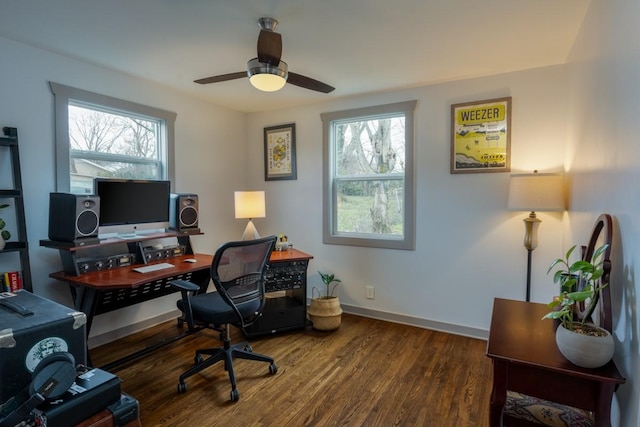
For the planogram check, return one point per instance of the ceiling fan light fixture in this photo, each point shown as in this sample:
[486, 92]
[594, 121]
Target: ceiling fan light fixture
[267, 77]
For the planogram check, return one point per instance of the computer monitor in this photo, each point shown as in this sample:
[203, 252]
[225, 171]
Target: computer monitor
[127, 206]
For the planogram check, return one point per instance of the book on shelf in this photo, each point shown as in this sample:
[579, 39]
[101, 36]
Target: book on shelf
[12, 281]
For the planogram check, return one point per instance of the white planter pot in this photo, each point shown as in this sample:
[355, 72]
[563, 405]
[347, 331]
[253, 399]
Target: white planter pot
[585, 350]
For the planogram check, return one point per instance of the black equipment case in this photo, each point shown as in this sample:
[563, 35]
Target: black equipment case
[93, 391]
[31, 328]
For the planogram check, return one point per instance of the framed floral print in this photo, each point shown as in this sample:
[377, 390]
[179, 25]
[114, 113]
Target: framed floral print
[280, 152]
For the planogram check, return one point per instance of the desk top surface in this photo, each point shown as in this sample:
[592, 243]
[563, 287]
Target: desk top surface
[519, 335]
[125, 276]
[289, 255]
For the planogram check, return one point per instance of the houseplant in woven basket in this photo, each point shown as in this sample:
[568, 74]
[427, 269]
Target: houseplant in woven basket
[578, 339]
[4, 234]
[324, 311]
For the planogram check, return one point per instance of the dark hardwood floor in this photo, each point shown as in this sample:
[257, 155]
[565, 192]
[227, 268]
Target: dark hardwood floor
[367, 373]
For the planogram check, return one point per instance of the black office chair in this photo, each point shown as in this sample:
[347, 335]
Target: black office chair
[238, 273]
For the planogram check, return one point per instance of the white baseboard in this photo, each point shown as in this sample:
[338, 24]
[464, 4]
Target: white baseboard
[418, 322]
[365, 312]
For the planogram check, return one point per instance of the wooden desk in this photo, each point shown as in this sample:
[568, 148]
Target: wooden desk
[106, 290]
[101, 291]
[526, 360]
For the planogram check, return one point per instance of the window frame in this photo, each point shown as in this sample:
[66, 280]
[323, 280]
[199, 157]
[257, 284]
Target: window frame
[329, 214]
[66, 95]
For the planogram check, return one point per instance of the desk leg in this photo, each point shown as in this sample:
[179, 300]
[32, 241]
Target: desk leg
[603, 407]
[498, 392]
[85, 300]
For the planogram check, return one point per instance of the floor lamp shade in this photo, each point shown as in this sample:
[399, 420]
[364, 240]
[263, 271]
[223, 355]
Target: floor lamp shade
[249, 204]
[535, 192]
[542, 192]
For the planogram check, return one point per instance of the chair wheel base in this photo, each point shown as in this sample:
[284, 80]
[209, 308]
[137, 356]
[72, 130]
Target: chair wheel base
[182, 387]
[235, 395]
[273, 368]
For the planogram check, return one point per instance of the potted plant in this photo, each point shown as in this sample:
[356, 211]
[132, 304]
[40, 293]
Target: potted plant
[578, 339]
[4, 234]
[324, 311]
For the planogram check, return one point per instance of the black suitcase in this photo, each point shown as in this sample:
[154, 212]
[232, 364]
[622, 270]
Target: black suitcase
[32, 327]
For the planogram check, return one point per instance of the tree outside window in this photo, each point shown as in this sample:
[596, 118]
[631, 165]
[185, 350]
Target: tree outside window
[369, 176]
[101, 136]
[111, 145]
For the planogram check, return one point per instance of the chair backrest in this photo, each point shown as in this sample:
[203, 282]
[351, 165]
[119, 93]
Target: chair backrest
[238, 271]
[602, 233]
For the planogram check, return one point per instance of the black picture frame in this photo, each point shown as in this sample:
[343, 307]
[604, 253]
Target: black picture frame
[280, 152]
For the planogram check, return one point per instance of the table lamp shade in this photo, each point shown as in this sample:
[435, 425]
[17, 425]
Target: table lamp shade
[536, 192]
[249, 204]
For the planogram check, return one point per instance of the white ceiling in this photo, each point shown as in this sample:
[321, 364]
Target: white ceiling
[357, 46]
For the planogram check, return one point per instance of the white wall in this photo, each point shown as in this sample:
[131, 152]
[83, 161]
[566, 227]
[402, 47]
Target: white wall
[469, 247]
[603, 150]
[210, 147]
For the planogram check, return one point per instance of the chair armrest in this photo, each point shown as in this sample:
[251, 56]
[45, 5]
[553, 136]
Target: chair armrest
[184, 285]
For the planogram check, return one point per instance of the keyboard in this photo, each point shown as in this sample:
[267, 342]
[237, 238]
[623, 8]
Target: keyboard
[153, 267]
[128, 236]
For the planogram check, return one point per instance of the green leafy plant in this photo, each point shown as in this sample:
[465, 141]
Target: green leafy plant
[584, 273]
[4, 233]
[329, 279]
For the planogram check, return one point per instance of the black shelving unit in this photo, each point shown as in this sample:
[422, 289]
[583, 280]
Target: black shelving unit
[17, 243]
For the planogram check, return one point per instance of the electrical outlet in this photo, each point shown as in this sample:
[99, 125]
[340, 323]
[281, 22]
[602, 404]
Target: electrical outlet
[371, 292]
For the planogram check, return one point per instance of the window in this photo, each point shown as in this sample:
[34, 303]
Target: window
[369, 176]
[100, 136]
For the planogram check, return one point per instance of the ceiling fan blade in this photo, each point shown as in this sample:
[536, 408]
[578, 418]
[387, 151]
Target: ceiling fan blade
[269, 47]
[309, 83]
[221, 78]
[268, 62]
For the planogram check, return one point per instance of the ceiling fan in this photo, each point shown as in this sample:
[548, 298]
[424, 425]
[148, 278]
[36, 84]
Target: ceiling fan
[267, 72]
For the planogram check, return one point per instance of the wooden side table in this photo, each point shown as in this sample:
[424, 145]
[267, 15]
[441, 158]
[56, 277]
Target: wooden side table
[526, 359]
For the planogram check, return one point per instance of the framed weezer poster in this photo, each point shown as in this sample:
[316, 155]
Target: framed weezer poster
[481, 136]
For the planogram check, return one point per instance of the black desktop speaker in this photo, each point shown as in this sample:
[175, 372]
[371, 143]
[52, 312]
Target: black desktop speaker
[73, 216]
[183, 211]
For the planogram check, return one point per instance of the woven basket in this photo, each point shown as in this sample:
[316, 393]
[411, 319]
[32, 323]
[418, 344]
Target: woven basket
[325, 313]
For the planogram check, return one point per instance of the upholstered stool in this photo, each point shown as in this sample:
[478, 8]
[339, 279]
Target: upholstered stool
[536, 411]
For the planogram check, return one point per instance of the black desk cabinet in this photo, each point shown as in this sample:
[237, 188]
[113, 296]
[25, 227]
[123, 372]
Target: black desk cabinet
[286, 304]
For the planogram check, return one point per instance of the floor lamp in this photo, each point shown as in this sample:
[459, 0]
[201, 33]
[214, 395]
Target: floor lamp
[249, 204]
[542, 192]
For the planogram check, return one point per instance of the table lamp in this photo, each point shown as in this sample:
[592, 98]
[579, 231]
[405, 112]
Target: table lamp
[542, 192]
[250, 204]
